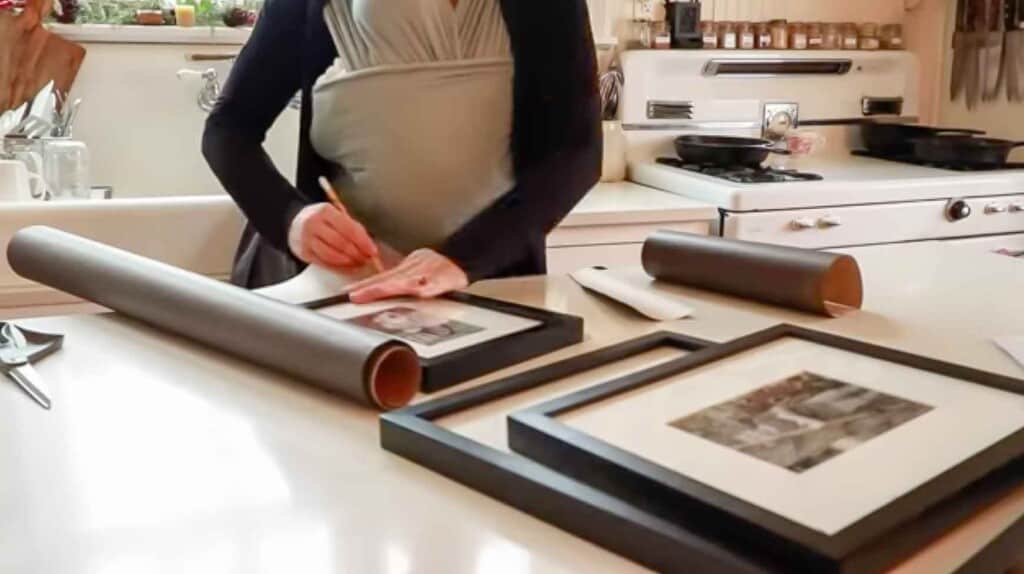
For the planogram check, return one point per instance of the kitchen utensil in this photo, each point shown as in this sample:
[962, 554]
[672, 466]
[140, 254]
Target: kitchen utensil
[610, 86]
[994, 52]
[973, 52]
[958, 70]
[37, 57]
[18, 348]
[893, 139]
[724, 150]
[1014, 61]
[964, 151]
[17, 183]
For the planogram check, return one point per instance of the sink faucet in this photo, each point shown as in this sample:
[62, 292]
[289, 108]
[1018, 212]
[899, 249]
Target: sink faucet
[210, 92]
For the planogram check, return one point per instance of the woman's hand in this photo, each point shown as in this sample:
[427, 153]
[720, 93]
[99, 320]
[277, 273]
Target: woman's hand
[322, 234]
[425, 273]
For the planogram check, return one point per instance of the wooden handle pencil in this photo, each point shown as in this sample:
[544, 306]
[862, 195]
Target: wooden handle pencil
[332, 196]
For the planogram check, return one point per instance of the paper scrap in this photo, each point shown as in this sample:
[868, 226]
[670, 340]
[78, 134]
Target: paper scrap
[1013, 345]
[645, 301]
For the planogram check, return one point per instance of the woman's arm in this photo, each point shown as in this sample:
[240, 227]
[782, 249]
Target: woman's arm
[263, 80]
[557, 136]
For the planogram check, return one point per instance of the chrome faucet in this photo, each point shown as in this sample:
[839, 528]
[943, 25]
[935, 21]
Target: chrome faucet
[210, 92]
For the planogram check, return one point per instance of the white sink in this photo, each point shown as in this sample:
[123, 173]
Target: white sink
[196, 233]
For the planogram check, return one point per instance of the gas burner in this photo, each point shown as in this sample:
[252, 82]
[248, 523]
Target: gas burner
[911, 159]
[742, 173]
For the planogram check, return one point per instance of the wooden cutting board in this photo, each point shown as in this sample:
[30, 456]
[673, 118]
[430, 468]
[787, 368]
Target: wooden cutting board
[29, 59]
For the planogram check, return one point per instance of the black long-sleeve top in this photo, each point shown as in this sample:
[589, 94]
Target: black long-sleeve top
[556, 139]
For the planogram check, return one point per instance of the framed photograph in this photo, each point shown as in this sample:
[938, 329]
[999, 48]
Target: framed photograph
[461, 336]
[796, 442]
[464, 437]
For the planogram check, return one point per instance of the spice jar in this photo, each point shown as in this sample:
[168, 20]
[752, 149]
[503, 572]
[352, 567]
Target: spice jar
[892, 37]
[727, 39]
[709, 35]
[763, 36]
[797, 36]
[831, 37]
[869, 37]
[815, 36]
[746, 34]
[851, 38]
[780, 35]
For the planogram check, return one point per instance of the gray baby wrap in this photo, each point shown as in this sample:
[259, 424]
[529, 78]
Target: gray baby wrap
[417, 113]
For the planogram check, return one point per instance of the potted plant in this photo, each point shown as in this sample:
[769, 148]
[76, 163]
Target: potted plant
[149, 13]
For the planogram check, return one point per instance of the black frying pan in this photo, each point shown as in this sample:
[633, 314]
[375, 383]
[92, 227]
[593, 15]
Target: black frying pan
[897, 139]
[724, 151]
[964, 151]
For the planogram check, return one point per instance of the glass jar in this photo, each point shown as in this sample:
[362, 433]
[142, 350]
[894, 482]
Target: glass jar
[851, 38]
[763, 36]
[747, 37]
[797, 36]
[815, 36]
[892, 36]
[831, 37]
[66, 168]
[727, 39]
[780, 35]
[869, 37]
[709, 34]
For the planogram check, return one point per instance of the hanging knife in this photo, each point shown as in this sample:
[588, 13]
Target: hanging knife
[14, 353]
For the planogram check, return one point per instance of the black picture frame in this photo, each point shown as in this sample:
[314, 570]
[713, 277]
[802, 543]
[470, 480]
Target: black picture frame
[555, 331]
[873, 543]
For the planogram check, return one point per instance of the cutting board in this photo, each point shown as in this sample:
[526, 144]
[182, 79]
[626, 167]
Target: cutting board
[31, 58]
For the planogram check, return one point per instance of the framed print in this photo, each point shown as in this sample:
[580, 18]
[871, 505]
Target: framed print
[460, 336]
[799, 443]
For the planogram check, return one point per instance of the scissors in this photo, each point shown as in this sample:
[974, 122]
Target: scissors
[18, 347]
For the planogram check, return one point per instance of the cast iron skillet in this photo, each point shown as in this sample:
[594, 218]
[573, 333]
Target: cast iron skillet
[964, 151]
[897, 139]
[724, 151]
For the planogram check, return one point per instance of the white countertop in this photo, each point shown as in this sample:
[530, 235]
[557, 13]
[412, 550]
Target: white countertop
[626, 202]
[162, 456]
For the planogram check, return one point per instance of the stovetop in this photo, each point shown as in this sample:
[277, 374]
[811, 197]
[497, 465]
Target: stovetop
[742, 173]
[913, 160]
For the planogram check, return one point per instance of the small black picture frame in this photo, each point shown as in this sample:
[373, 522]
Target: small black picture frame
[871, 544]
[555, 331]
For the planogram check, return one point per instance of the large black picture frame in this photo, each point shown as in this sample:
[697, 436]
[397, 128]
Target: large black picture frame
[873, 543]
[555, 331]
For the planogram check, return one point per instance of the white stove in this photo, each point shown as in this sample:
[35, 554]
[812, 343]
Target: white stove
[838, 199]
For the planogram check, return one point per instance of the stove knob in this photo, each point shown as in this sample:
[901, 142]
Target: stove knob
[1017, 207]
[994, 208]
[958, 209]
[830, 221]
[802, 223]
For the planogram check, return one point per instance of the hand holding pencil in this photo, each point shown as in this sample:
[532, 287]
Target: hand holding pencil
[325, 234]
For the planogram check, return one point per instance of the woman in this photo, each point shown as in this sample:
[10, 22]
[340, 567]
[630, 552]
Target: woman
[407, 54]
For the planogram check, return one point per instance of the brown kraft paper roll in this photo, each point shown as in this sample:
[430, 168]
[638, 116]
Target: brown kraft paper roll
[814, 281]
[340, 358]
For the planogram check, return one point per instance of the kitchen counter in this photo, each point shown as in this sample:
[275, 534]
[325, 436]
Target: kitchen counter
[164, 456]
[200, 233]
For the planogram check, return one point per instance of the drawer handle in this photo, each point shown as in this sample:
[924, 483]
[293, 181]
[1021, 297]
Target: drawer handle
[830, 221]
[1017, 207]
[802, 223]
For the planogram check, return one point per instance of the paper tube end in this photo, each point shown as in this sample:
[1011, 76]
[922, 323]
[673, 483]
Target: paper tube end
[395, 377]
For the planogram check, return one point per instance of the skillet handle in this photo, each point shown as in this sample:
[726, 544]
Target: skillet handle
[781, 151]
[954, 131]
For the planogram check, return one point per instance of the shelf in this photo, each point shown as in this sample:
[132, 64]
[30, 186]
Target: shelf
[127, 34]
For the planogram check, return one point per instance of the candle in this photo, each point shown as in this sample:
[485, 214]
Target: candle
[186, 15]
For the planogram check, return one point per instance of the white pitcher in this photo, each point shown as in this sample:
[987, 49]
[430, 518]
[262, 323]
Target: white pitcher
[17, 183]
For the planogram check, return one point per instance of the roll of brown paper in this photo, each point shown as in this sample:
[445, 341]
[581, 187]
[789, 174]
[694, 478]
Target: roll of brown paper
[814, 281]
[337, 357]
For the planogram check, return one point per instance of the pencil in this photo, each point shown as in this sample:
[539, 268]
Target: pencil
[332, 195]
